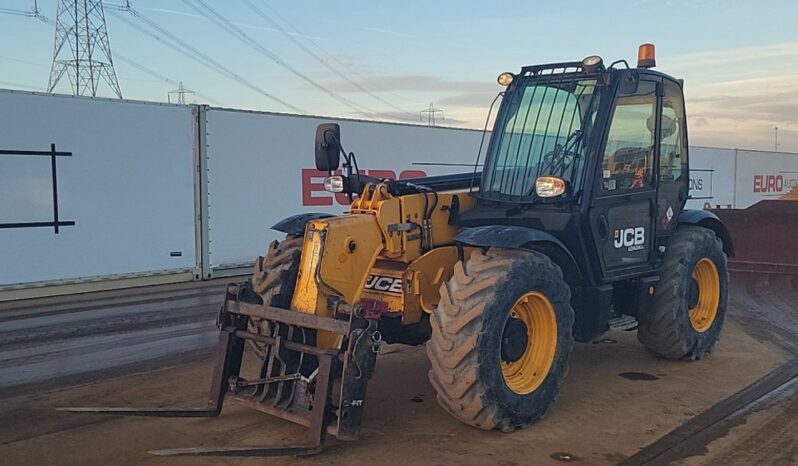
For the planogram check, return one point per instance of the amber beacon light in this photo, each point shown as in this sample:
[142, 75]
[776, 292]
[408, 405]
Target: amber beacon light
[645, 56]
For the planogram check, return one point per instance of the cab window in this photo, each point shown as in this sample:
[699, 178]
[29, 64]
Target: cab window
[672, 152]
[628, 156]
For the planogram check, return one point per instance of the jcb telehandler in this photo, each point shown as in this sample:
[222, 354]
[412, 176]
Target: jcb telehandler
[575, 224]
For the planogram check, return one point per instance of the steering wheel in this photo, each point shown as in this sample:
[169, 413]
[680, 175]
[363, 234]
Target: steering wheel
[557, 160]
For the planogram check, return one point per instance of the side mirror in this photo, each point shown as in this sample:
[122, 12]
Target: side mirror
[328, 136]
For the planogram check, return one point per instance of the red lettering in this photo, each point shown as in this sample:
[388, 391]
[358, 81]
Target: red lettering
[779, 183]
[757, 183]
[412, 174]
[312, 183]
[382, 174]
[341, 198]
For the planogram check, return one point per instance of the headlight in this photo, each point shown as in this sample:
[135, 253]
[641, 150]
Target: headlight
[549, 186]
[592, 63]
[334, 184]
[505, 79]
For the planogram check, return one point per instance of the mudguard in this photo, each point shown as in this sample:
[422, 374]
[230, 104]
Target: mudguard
[295, 224]
[706, 219]
[515, 237]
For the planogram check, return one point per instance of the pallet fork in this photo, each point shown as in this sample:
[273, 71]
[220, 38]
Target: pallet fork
[321, 389]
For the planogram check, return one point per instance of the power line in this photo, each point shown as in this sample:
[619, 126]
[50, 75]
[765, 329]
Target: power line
[236, 32]
[321, 60]
[193, 53]
[13, 12]
[35, 13]
[32, 13]
[161, 77]
[332, 56]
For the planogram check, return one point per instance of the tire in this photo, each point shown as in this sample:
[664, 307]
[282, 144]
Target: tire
[466, 349]
[274, 280]
[674, 327]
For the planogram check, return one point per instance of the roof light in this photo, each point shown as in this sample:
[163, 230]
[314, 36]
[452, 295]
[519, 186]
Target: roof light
[645, 56]
[549, 186]
[505, 79]
[592, 63]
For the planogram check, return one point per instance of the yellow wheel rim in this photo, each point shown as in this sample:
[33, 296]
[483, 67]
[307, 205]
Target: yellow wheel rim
[524, 375]
[703, 314]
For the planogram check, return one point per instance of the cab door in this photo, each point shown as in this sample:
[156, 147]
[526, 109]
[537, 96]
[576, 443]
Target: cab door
[674, 172]
[623, 207]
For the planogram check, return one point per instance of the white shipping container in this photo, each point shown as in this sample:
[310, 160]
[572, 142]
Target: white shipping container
[260, 169]
[711, 175]
[764, 175]
[128, 186]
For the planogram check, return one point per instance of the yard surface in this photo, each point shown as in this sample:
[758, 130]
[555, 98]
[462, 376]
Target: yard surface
[619, 403]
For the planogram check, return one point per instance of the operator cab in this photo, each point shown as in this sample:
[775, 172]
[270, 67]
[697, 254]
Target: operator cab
[594, 156]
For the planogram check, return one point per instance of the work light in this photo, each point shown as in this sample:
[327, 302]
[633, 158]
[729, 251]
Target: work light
[505, 79]
[592, 63]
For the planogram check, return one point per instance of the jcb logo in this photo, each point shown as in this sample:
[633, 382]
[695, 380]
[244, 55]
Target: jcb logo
[387, 284]
[631, 238]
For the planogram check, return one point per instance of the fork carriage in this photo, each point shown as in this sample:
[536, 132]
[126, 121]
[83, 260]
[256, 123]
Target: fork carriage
[321, 389]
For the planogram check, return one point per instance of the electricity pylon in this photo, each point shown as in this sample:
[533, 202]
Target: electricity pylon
[82, 51]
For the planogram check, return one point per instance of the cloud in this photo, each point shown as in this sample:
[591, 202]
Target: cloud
[472, 99]
[465, 103]
[446, 120]
[735, 97]
[415, 82]
[731, 56]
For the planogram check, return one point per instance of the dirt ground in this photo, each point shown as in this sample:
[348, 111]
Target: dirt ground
[606, 412]
[766, 436]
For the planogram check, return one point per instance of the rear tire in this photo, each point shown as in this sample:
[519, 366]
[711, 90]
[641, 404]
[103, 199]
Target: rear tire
[473, 373]
[695, 269]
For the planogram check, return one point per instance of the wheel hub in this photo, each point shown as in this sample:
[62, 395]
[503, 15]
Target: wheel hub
[704, 308]
[514, 340]
[528, 343]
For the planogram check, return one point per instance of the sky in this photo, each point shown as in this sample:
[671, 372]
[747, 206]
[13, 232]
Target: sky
[390, 60]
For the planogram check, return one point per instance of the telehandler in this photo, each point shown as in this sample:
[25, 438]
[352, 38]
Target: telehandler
[575, 224]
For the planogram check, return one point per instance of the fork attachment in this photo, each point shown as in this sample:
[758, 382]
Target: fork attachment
[321, 389]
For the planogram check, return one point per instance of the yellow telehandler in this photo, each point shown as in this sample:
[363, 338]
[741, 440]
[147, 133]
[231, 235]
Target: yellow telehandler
[575, 224]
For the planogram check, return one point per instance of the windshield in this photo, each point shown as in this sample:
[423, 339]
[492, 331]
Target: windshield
[541, 130]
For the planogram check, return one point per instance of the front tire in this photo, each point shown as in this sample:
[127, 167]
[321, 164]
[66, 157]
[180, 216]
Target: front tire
[501, 337]
[689, 306]
[274, 280]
